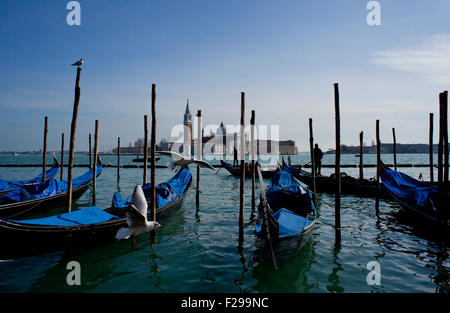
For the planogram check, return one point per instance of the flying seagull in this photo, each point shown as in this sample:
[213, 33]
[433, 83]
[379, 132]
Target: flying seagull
[78, 63]
[180, 161]
[136, 215]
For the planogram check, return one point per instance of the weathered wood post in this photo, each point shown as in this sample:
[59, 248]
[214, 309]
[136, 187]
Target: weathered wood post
[395, 149]
[446, 161]
[313, 163]
[361, 166]
[94, 178]
[44, 152]
[90, 150]
[62, 156]
[118, 159]
[153, 159]
[377, 130]
[199, 154]
[242, 157]
[337, 163]
[72, 140]
[252, 156]
[430, 149]
[144, 181]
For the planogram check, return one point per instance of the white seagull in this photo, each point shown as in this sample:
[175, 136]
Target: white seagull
[136, 215]
[180, 161]
[78, 63]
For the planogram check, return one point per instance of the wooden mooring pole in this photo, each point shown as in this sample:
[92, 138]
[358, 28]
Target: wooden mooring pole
[443, 164]
[72, 140]
[199, 154]
[311, 152]
[44, 152]
[94, 178]
[394, 149]
[144, 181]
[377, 130]
[446, 164]
[337, 211]
[62, 157]
[118, 159]
[242, 157]
[430, 149]
[90, 150]
[361, 166]
[252, 156]
[153, 159]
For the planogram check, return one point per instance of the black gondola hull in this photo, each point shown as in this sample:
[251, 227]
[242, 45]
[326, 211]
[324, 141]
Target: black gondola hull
[17, 240]
[236, 171]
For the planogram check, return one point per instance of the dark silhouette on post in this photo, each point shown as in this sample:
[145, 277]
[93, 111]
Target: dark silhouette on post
[394, 148]
[430, 152]
[337, 211]
[118, 159]
[62, 156]
[313, 164]
[361, 166]
[144, 181]
[72, 140]
[153, 165]
[94, 178]
[242, 156]
[44, 152]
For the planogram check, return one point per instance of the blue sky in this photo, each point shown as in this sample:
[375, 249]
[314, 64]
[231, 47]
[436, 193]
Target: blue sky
[285, 55]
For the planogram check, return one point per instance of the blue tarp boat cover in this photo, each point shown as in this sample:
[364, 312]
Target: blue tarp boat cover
[166, 192]
[290, 169]
[409, 189]
[91, 215]
[289, 224]
[48, 188]
[290, 203]
[10, 185]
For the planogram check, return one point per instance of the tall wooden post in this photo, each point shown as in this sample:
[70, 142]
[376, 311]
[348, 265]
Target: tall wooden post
[252, 156]
[361, 166]
[62, 156]
[430, 149]
[395, 149]
[145, 148]
[44, 153]
[90, 150]
[242, 156]
[377, 201]
[199, 154]
[118, 159]
[72, 140]
[94, 178]
[153, 158]
[313, 163]
[446, 164]
[337, 162]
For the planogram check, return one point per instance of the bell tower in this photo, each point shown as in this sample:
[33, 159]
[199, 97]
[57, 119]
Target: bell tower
[187, 130]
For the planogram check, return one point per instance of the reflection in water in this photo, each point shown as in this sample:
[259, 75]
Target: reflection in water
[333, 278]
[290, 277]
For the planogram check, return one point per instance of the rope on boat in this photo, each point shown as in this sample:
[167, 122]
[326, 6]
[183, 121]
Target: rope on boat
[92, 190]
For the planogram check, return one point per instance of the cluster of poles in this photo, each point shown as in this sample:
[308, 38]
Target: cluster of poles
[443, 159]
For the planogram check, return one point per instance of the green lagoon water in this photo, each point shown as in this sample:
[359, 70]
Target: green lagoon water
[197, 250]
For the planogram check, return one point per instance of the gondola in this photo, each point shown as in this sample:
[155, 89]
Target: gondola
[86, 227]
[138, 159]
[416, 198]
[349, 185]
[33, 198]
[266, 171]
[286, 216]
[8, 186]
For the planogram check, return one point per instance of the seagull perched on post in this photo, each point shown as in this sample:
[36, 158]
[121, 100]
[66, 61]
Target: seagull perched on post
[136, 216]
[180, 161]
[78, 63]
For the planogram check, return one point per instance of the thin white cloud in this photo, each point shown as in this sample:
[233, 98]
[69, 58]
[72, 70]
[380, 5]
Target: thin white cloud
[429, 58]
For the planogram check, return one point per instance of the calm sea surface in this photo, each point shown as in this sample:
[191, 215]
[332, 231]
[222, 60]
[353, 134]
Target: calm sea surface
[197, 250]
